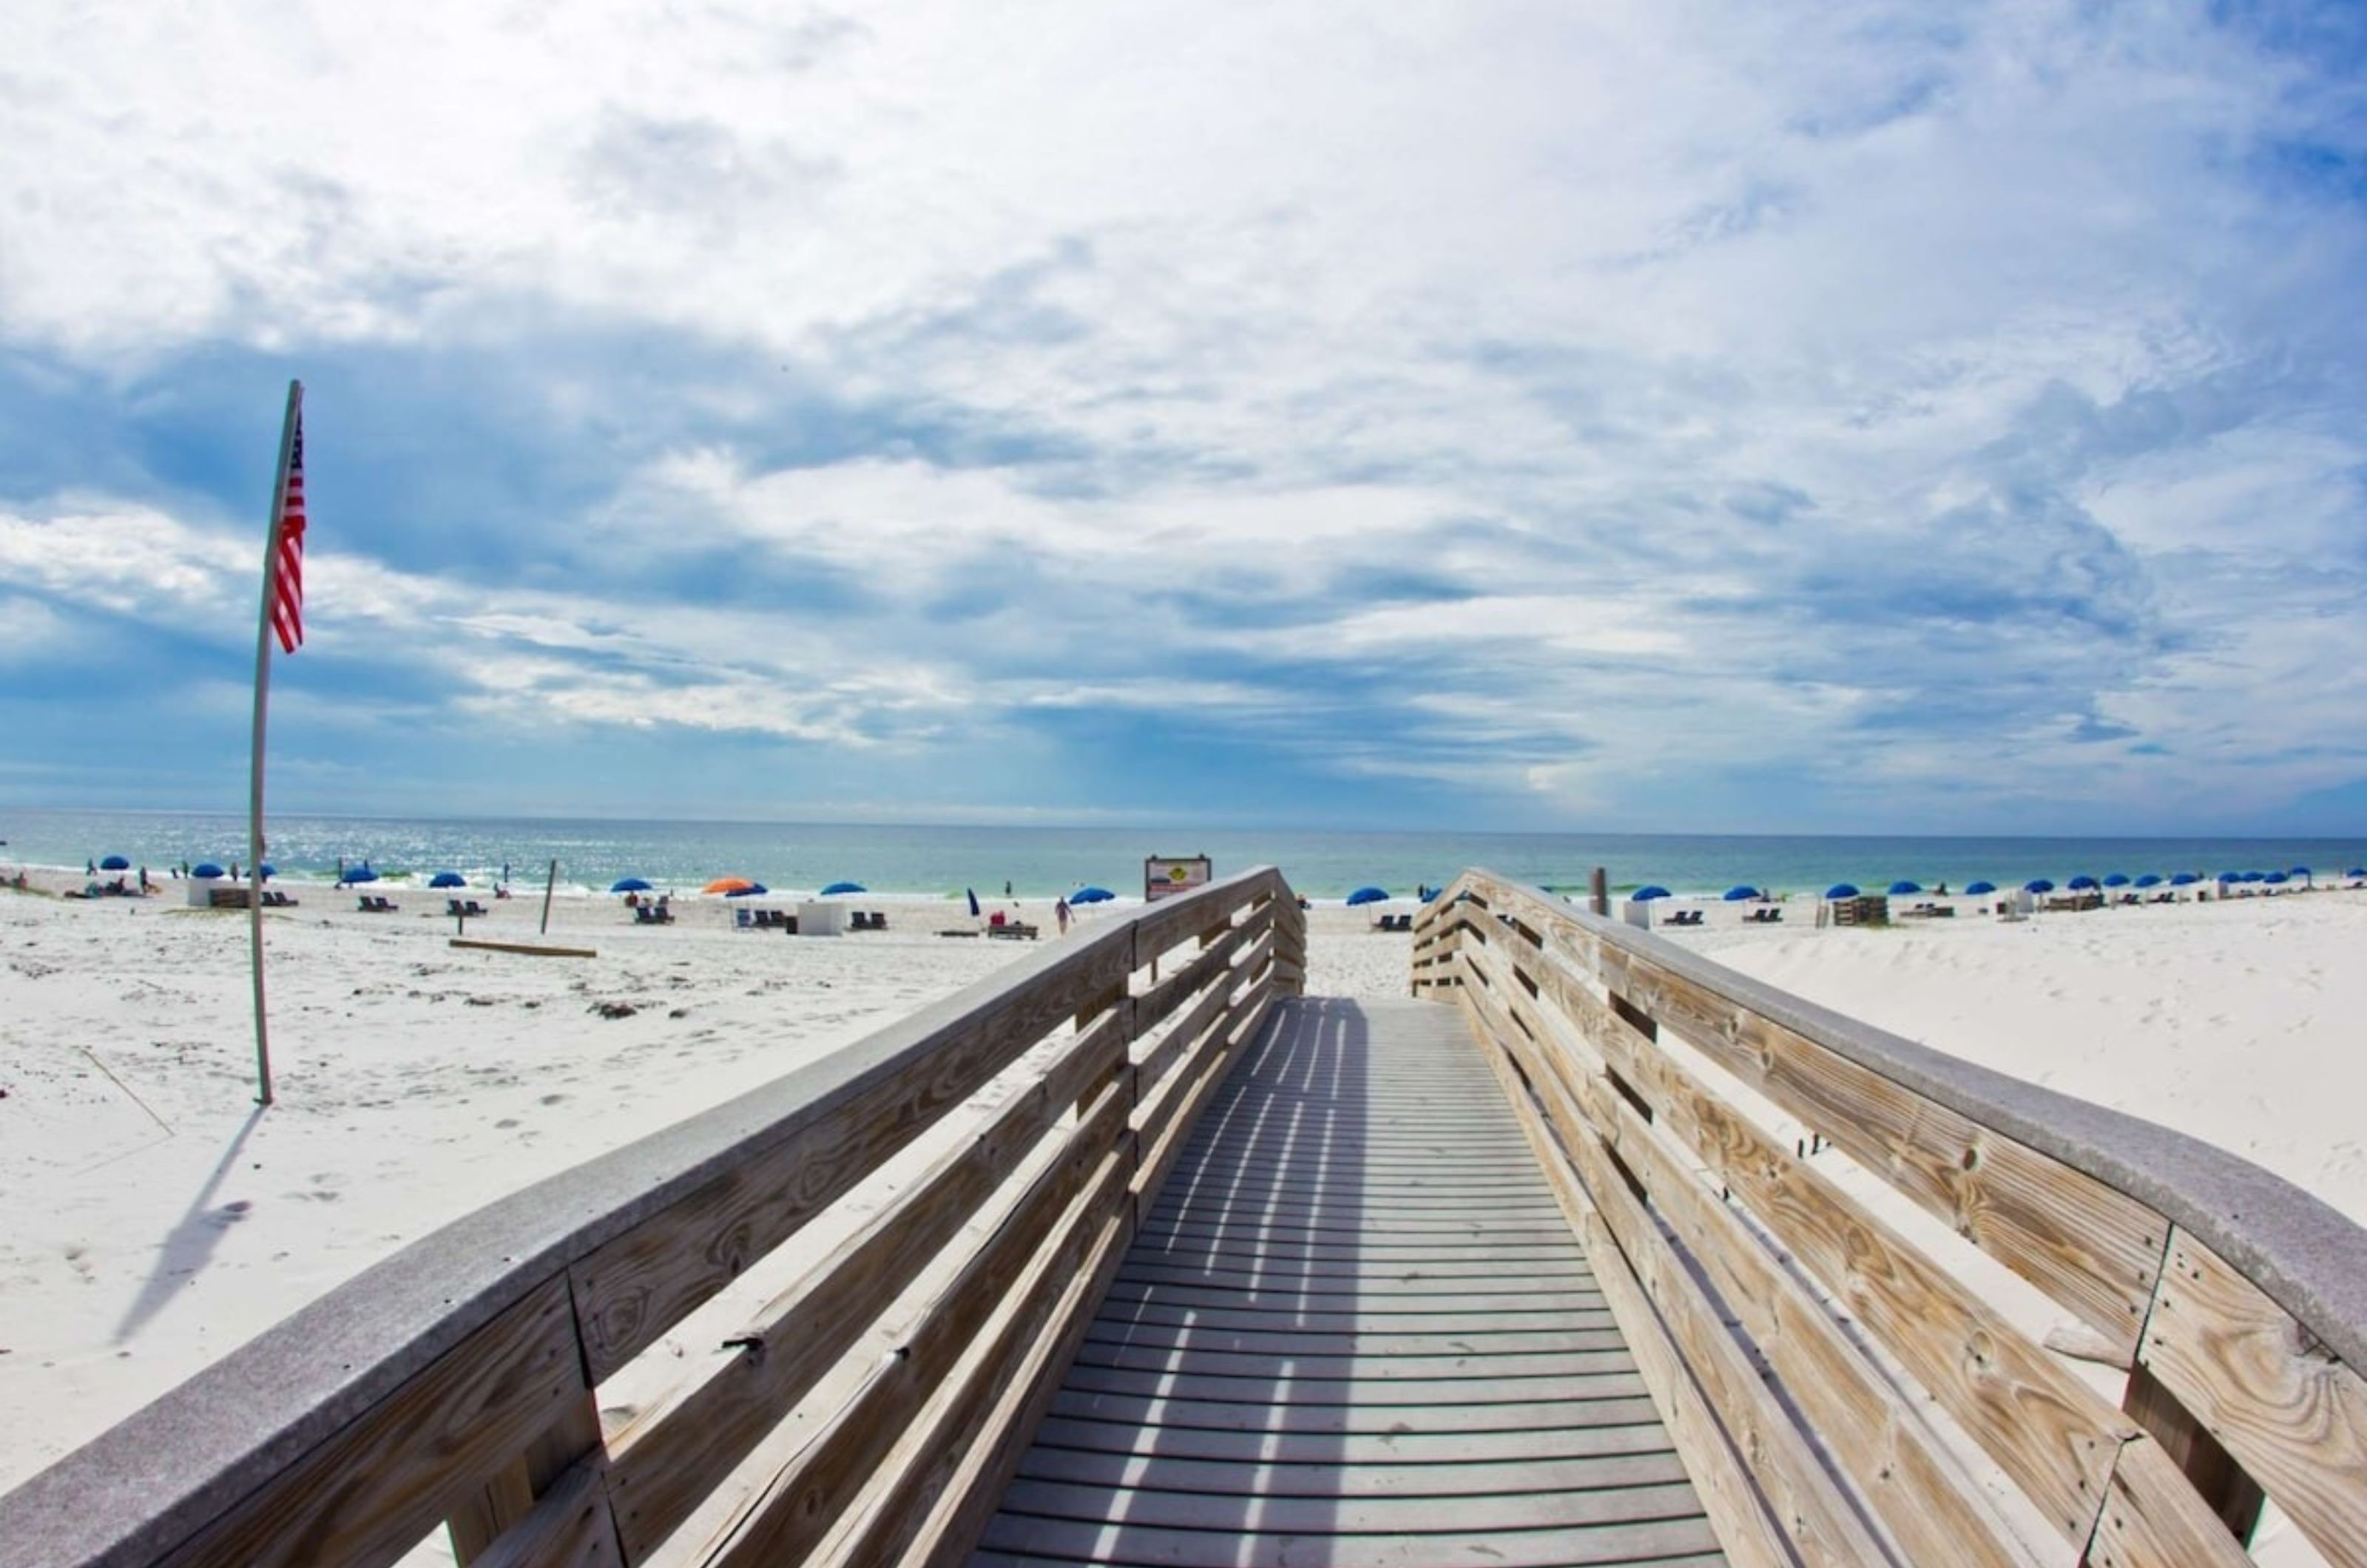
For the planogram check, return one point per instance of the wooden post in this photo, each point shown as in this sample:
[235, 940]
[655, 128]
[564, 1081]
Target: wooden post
[1598, 891]
[548, 883]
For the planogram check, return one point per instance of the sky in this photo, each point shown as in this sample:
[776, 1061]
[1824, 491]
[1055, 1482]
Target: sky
[1622, 416]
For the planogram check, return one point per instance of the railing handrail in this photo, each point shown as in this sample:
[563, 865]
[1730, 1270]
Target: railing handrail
[2236, 1301]
[2309, 1258]
[144, 1485]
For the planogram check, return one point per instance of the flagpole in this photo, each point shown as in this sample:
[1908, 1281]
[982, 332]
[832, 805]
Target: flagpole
[254, 769]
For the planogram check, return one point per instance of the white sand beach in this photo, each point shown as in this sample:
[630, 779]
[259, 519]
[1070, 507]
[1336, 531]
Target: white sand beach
[157, 1219]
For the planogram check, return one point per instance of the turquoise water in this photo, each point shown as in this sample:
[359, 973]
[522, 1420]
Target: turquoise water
[1043, 862]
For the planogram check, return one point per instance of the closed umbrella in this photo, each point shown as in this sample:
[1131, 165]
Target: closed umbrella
[1841, 890]
[973, 901]
[447, 879]
[1368, 896]
[835, 888]
[1974, 890]
[1905, 886]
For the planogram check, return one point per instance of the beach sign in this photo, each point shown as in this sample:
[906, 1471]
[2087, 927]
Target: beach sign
[1165, 876]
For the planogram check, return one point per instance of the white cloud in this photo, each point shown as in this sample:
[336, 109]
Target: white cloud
[1664, 383]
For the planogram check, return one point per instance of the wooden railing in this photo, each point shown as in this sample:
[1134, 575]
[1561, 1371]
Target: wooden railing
[864, 1409]
[1832, 1335]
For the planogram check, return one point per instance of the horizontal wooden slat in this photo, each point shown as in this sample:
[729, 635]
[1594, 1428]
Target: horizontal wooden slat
[635, 1287]
[1934, 1510]
[681, 1445]
[799, 1502]
[373, 1491]
[2091, 1248]
[1767, 1490]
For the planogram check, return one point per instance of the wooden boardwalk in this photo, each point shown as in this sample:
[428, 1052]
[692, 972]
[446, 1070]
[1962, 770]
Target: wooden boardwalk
[1354, 1330]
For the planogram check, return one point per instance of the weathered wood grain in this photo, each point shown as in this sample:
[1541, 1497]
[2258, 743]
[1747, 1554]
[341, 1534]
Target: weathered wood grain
[946, 1487]
[2046, 1428]
[375, 1489]
[2151, 1519]
[1745, 1527]
[634, 1287]
[681, 1444]
[569, 1527]
[1932, 1508]
[2292, 1416]
[2092, 1250]
[1681, 1344]
[797, 1506]
[2188, 1444]
[510, 1495]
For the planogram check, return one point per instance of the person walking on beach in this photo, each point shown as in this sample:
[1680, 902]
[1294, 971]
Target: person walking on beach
[1060, 913]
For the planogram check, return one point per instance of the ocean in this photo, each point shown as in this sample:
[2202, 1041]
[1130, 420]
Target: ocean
[1043, 863]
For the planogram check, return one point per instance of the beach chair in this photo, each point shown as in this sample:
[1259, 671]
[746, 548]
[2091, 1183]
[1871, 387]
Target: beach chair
[745, 919]
[879, 920]
[472, 908]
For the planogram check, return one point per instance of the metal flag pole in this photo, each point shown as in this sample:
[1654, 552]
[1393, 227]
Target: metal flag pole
[254, 770]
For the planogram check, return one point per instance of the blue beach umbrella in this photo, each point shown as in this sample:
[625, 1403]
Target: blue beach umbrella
[835, 888]
[205, 868]
[1974, 890]
[751, 891]
[114, 863]
[2356, 871]
[1841, 890]
[1903, 886]
[447, 879]
[1645, 895]
[2150, 879]
[1368, 896]
[2186, 879]
[2038, 884]
[2081, 883]
[1092, 896]
[1737, 895]
[266, 871]
[361, 873]
[2117, 879]
[2276, 879]
[629, 884]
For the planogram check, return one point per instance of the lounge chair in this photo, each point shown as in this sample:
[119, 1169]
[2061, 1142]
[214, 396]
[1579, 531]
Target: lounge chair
[1013, 929]
[744, 920]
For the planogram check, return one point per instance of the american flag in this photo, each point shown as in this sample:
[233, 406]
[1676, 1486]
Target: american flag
[288, 571]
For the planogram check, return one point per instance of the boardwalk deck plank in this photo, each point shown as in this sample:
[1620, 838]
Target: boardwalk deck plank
[1354, 1328]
